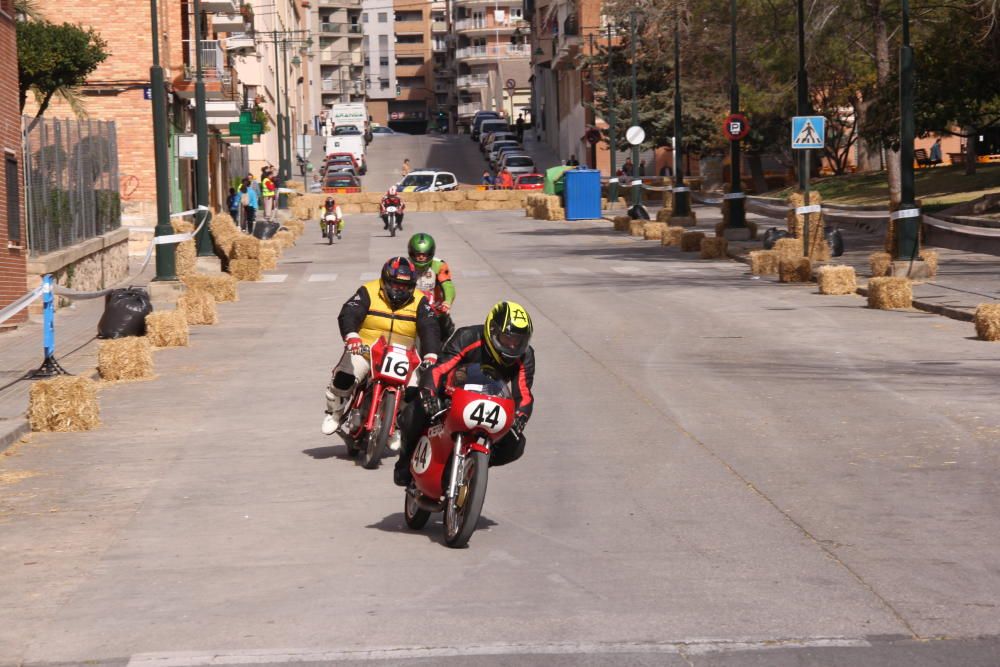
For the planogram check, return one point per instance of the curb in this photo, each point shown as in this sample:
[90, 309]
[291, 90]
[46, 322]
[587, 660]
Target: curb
[934, 308]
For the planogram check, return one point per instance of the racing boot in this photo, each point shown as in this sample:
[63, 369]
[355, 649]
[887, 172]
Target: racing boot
[334, 412]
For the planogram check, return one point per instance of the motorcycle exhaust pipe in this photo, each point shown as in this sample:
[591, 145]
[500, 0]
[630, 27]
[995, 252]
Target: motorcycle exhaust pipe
[425, 503]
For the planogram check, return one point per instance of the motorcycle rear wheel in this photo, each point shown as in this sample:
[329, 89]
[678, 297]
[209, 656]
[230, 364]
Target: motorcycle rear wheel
[378, 439]
[416, 518]
[460, 522]
[329, 234]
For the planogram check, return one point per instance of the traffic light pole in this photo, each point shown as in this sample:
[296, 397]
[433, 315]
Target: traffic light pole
[636, 189]
[735, 196]
[204, 240]
[612, 123]
[165, 265]
[908, 216]
[682, 198]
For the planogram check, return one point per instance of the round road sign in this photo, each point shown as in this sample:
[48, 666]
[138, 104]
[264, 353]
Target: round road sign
[635, 135]
[511, 84]
[736, 126]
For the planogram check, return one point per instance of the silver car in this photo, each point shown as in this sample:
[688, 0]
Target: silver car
[517, 163]
[494, 155]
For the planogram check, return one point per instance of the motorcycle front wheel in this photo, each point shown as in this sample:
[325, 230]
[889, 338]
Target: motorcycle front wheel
[462, 512]
[329, 234]
[378, 439]
[392, 225]
[416, 518]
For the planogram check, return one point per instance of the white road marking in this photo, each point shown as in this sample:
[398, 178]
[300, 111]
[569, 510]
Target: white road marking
[268, 656]
[576, 271]
[526, 272]
[273, 278]
[365, 277]
[625, 269]
[322, 277]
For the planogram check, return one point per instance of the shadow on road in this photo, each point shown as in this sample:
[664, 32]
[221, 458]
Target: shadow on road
[434, 530]
[330, 452]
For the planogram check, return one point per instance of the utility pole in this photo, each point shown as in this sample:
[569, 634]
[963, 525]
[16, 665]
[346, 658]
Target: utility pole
[286, 168]
[636, 189]
[908, 216]
[612, 123]
[279, 120]
[682, 198]
[735, 196]
[166, 269]
[803, 108]
[204, 240]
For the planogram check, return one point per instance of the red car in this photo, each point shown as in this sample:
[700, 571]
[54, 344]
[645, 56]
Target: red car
[340, 158]
[529, 182]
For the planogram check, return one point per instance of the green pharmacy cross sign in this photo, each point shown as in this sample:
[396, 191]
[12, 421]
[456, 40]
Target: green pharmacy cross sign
[246, 129]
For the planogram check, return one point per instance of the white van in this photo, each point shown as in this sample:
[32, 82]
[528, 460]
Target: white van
[348, 143]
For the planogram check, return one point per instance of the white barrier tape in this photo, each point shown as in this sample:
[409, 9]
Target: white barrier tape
[172, 238]
[613, 180]
[657, 188]
[682, 188]
[735, 195]
[19, 305]
[637, 181]
[905, 213]
[812, 208]
[200, 207]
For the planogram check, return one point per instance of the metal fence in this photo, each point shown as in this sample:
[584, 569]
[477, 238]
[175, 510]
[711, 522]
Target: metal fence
[71, 182]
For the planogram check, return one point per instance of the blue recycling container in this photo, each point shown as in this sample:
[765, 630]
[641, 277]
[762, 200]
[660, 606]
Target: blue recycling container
[582, 194]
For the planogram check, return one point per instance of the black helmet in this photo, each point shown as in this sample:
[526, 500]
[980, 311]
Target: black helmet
[399, 278]
[421, 244]
[330, 201]
[507, 332]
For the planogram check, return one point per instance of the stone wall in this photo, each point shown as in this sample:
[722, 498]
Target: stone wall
[89, 266]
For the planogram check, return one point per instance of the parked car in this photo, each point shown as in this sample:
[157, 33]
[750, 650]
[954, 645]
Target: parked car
[499, 147]
[504, 150]
[517, 163]
[383, 130]
[498, 136]
[529, 182]
[491, 125]
[338, 168]
[340, 182]
[342, 158]
[479, 118]
[428, 180]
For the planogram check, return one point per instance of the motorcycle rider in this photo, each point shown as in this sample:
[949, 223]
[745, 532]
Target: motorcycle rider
[433, 279]
[502, 345]
[384, 306]
[330, 207]
[392, 198]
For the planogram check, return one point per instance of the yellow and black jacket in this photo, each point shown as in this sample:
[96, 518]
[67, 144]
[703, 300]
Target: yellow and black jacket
[367, 314]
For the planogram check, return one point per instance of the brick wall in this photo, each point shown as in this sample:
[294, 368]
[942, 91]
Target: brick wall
[12, 260]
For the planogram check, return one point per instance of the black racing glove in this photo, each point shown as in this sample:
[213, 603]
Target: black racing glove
[520, 421]
[431, 404]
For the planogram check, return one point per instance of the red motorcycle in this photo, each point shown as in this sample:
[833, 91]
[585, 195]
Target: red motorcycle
[370, 425]
[450, 464]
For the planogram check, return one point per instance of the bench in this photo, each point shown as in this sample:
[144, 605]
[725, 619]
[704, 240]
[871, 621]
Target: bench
[922, 159]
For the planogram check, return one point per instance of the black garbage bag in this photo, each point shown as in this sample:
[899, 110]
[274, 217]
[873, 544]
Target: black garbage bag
[125, 313]
[264, 229]
[772, 235]
[836, 241]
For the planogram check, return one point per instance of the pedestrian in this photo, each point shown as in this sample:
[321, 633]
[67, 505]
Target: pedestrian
[487, 179]
[233, 204]
[254, 183]
[406, 167]
[248, 195]
[268, 192]
[506, 180]
[519, 124]
[666, 172]
[936, 152]
[642, 167]
[572, 161]
[627, 168]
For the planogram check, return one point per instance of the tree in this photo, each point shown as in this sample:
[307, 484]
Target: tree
[54, 59]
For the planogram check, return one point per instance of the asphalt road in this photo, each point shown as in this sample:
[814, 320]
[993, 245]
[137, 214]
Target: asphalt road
[720, 471]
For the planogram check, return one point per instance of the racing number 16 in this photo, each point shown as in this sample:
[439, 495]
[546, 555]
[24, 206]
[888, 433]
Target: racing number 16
[398, 366]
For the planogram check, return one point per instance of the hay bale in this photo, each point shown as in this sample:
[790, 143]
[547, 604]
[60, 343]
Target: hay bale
[880, 264]
[636, 227]
[987, 321]
[245, 247]
[245, 269]
[691, 241]
[167, 328]
[764, 262]
[186, 253]
[268, 259]
[890, 292]
[198, 307]
[296, 227]
[556, 214]
[930, 258]
[797, 270]
[788, 248]
[836, 279]
[285, 238]
[469, 204]
[129, 358]
[222, 286]
[62, 404]
[622, 223]
[672, 236]
[653, 231]
[714, 247]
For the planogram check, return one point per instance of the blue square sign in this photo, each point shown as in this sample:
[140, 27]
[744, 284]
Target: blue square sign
[808, 131]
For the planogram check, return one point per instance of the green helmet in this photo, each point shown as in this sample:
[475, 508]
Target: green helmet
[421, 249]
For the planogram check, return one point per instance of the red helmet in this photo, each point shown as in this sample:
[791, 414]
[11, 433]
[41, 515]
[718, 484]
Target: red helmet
[399, 279]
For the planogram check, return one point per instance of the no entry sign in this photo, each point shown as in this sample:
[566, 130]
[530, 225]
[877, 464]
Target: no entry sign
[736, 126]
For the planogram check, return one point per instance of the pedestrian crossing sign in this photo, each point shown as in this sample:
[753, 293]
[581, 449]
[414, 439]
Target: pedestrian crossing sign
[808, 131]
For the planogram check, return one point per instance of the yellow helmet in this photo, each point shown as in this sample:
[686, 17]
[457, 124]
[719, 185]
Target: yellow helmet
[507, 332]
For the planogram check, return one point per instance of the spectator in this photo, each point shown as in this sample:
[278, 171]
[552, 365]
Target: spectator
[520, 128]
[250, 203]
[936, 152]
[254, 183]
[506, 180]
[487, 178]
[628, 167]
[572, 161]
[268, 191]
[666, 172]
[406, 167]
[642, 167]
[233, 204]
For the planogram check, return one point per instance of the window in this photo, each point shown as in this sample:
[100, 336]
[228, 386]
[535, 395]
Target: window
[383, 61]
[445, 179]
[383, 17]
[383, 84]
[364, 17]
[13, 202]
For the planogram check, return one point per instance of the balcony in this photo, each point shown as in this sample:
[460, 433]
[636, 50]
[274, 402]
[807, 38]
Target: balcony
[473, 81]
[484, 26]
[469, 108]
[240, 41]
[492, 52]
[439, 26]
[345, 4]
[220, 6]
[222, 112]
[439, 46]
[409, 27]
[411, 48]
[218, 78]
[228, 23]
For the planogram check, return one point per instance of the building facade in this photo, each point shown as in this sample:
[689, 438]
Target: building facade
[340, 62]
[13, 252]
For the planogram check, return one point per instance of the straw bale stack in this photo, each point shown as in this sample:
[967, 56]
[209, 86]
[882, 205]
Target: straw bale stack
[473, 205]
[168, 328]
[268, 258]
[798, 270]
[222, 286]
[198, 307]
[987, 321]
[788, 248]
[62, 404]
[764, 262]
[186, 254]
[691, 241]
[836, 279]
[223, 235]
[245, 269]
[556, 213]
[129, 358]
[890, 292]
[714, 247]
[285, 238]
[622, 223]
[350, 208]
[453, 196]
[296, 227]
[245, 247]
[672, 236]
[637, 227]
[930, 258]
[880, 263]
[796, 222]
[480, 195]
[653, 231]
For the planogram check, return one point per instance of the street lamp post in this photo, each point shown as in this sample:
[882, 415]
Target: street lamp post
[802, 86]
[636, 189]
[279, 118]
[612, 123]
[908, 215]
[735, 196]
[166, 269]
[682, 198]
[285, 168]
[204, 240]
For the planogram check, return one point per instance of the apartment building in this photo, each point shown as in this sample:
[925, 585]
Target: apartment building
[339, 67]
[491, 59]
[13, 256]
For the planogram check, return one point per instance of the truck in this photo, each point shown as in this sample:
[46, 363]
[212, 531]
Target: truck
[347, 113]
[349, 143]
